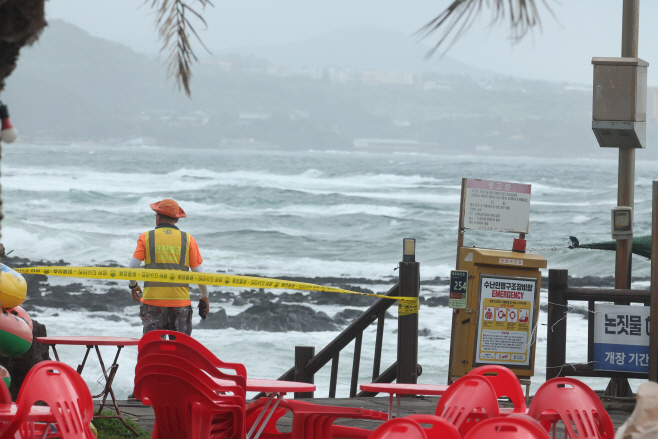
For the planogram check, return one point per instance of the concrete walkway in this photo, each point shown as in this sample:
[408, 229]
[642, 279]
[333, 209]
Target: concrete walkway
[619, 410]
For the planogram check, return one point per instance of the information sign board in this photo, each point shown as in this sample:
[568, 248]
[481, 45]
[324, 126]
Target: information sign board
[497, 206]
[621, 338]
[505, 320]
[458, 289]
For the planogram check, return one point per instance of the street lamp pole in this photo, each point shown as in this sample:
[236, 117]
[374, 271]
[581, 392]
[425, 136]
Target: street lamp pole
[626, 179]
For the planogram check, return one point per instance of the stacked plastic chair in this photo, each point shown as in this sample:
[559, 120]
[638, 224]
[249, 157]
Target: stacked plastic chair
[68, 399]
[312, 421]
[576, 405]
[191, 391]
[506, 384]
[468, 401]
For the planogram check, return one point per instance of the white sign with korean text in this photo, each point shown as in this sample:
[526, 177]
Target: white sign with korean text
[506, 319]
[621, 338]
[497, 206]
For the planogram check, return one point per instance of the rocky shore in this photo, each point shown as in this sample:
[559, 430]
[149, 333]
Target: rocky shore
[265, 310]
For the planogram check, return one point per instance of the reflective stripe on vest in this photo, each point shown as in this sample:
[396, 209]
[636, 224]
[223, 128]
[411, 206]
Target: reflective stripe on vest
[167, 249]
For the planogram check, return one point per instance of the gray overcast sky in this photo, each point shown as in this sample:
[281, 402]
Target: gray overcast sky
[561, 51]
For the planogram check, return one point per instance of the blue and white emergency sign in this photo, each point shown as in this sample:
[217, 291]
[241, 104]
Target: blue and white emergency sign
[621, 338]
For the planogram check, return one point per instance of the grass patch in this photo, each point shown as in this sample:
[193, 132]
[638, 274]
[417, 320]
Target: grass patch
[113, 428]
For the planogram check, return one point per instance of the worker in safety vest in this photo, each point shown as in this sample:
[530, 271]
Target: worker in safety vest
[167, 305]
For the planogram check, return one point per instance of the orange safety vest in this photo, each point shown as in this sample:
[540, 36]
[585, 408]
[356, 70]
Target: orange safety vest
[167, 248]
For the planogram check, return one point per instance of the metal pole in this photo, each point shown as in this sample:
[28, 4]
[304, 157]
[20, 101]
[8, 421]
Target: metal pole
[653, 334]
[626, 179]
[626, 170]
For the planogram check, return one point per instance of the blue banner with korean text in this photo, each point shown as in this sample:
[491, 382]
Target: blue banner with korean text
[621, 338]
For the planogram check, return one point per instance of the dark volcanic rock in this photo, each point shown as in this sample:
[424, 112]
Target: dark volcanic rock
[77, 296]
[322, 298]
[272, 317]
[437, 301]
[347, 316]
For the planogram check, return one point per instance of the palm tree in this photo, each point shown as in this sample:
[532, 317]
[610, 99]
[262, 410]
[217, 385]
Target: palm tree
[456, 19]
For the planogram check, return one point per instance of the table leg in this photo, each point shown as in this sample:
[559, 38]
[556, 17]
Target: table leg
[84, 360]
[260, 415]
[390, 406]
[398, 396]
[55, 352]
[108, 389]
[279, 397]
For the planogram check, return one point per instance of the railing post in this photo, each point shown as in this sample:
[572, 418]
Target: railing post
[408, 325]
[303, 355]
[653, 314]
[556, 330]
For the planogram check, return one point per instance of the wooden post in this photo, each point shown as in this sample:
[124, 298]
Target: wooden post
[460, 244]
[408, 325]
[556, 330]
[303, 355]
[653, 334]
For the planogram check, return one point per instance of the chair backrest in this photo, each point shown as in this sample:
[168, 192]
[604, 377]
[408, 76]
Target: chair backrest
[180, 339]
[65, 392]
[577, 406]
[195, 377]
[467, 401]
[183, 410]
[192, 361]
[437, 428]
[508, 428]
[505, 383]
[399, 428]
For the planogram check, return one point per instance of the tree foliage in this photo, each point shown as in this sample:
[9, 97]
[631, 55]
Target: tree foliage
[175, 29]
[457, 18]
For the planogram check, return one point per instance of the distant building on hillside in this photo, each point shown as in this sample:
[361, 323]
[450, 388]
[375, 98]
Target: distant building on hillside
[392, 145]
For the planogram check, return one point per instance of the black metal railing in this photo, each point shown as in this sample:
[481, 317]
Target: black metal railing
[354, 332]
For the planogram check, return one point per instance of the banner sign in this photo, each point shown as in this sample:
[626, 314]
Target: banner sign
[458, 289]
[621, 338]
[497, 206]
[505, 321]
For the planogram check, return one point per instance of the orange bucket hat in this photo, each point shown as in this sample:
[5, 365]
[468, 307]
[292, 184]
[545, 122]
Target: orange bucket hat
[168, 207]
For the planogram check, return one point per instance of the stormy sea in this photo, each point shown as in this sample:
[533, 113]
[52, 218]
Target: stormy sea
[327, 217]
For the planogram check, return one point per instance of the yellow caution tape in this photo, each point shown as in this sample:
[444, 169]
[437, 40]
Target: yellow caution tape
[407, 305]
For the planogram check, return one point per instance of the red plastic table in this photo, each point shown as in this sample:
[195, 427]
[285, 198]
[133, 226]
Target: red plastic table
[403, 389]
[94, 342]
[276, 390]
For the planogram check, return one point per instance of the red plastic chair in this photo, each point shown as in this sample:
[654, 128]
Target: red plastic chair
[312, 421]
[509, 427]
[224, 388]
[178, 338]
[399, 428]
[576, 405]
[439, 428]
[468, 401]
[193, 362]
[506, 384]
[65, 392]
[184, 409]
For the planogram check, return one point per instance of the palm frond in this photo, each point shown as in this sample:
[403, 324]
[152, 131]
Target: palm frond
[174, 27]
[460, 15]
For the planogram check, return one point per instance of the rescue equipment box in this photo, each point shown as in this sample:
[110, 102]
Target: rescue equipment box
[499, 323]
